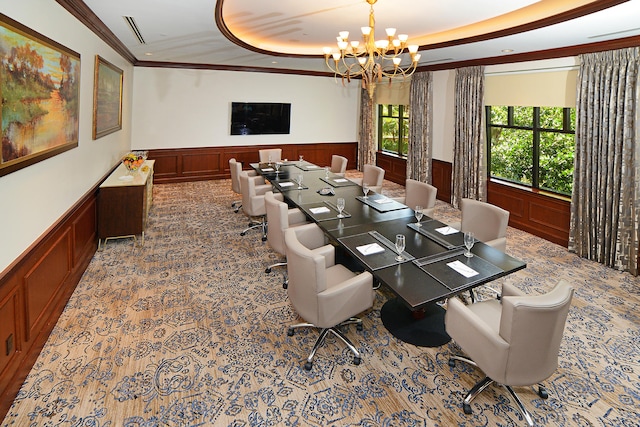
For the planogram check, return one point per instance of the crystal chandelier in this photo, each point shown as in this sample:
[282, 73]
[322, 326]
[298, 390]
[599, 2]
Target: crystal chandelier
[373, 59]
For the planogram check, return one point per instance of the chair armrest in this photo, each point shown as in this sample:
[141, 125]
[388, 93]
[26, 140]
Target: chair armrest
[345, 299]
[329, 254]
[261, 189]
[476, 338]
[429, 212]
[296, 217]
[509, 290]
[500, 243]
[278, 196]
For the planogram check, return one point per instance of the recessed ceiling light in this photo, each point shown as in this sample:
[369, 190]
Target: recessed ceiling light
[507, 50]
[149, 54]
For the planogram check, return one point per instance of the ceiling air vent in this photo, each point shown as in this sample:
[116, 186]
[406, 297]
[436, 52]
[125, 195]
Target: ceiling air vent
[134, 28]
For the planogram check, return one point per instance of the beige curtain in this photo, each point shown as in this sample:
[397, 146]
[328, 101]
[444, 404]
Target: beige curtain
[366, 141]
[605, 206]
[420, 127]
[469, 163]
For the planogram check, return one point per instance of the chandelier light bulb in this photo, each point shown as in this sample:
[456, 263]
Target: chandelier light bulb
[344, 35]
[365, 30]
[390, 32]
[413, 48]
[403, 38]
[326, 50]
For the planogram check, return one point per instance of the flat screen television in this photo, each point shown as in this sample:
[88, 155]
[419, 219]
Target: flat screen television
[260, 118]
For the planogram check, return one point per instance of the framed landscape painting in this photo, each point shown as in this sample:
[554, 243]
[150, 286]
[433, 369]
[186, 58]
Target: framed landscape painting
[107, 98]
[40, 91]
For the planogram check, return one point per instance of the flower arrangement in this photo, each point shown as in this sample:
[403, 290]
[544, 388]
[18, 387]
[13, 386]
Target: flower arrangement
[132, 161]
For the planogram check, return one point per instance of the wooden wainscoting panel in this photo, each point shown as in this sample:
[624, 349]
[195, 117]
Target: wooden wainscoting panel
[539, 214]
[9, 338]
[193, 164]
[84, 227]
[441, 179]
[201, 163]
[44, 280]
[395, 167]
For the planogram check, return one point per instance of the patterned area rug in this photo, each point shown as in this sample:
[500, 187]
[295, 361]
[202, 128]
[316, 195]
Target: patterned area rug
[190, 331]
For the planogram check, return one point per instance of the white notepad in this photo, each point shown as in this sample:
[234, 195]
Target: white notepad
[370, 249]
[446, 230]
[319, 210]
[286, 184]
[463, 269]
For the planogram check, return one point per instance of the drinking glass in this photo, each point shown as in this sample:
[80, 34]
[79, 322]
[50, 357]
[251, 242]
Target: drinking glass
[400, 242]
[269, 160]
[326, 172]
[469, 240]
[299, 181]
[418, 212]
[340, 206]
[300, 157]
[365, 189]
[277, 168]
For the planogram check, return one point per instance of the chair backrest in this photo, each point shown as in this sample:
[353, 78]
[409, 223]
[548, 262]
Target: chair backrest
[372, 175]
[486, 221]
[533, 325]
[235, 168]
[306, 271]
[420, 193]
[278, 220]
[338, 164]
[275, 153]
[252, 204]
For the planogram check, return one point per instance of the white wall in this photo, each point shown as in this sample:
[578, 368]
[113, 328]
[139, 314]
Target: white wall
[34, 198]
[191, 108]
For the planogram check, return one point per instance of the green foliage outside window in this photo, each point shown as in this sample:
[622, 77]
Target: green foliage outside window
[533, 146]
[393, 129]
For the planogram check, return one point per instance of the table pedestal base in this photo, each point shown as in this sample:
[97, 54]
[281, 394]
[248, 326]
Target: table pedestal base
[424, 328]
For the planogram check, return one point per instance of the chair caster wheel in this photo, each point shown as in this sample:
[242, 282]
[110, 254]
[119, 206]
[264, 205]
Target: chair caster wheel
[452, 363]
[466, 408]
[264, 239]
[285, 285]
[267, 270]
[359, 327]
[357, 360]
[308, 366]
[542, 392]
[243, 233]
[290, 332]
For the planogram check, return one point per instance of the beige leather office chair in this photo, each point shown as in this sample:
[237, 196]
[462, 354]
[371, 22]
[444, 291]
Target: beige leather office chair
[270, 154]
[418, 193]
[235, 168]
[372, 175]
[253, 202]
[325, 294]
[338, 164]
[487, 222]
[515, 340]
[280, 218]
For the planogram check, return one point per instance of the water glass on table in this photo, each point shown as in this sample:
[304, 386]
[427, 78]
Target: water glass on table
[469, 240]
[418, 213]
[365, 189]
[340, 206]
[400, 243]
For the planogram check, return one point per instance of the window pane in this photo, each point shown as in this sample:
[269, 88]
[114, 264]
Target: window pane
[523, 116]
[511, 154]
[499, 115]
[551, 117]
[556, 162]
[390, 134]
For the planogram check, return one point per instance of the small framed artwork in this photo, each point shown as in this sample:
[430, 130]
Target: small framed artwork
[107, 98]
[40, 94]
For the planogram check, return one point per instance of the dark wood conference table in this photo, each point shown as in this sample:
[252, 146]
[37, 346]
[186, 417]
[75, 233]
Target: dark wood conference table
[433, 268]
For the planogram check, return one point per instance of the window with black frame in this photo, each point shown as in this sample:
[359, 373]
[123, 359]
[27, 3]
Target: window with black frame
[393, 129]
[532, 146]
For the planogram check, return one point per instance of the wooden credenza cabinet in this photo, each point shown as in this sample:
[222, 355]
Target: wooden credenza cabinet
[123, 204]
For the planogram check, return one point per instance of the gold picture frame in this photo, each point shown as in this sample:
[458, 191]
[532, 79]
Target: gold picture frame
[107, 98]
[40, 96]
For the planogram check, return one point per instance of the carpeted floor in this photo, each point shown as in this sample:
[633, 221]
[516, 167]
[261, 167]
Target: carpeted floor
[189, 331]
